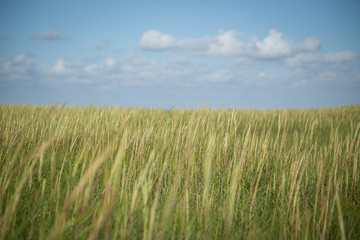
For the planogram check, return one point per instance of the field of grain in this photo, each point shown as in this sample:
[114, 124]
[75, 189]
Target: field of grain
[122, 173]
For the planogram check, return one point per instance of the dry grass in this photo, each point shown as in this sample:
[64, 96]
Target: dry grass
[110, 173]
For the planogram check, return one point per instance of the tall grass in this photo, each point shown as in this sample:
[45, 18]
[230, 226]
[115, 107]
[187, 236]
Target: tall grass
[122, 173]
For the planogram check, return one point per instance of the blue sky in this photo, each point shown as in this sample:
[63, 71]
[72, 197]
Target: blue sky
[183, 54]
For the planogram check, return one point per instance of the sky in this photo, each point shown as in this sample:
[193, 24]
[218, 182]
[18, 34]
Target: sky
[181, 54]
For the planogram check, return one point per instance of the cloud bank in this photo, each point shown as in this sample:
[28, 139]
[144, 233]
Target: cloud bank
[230, 43]
[275, 59]
[180, 71]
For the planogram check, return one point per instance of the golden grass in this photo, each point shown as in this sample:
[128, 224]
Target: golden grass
[110, 173]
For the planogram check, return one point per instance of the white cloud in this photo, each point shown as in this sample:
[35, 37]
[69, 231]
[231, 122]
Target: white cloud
[178, 60]
[329, 58]
[339, 57]
[18, 68]
[110, 62]
[59, 66]
[310, 44]
[229, 43]
[155, 40]
[275, 45]
[48, 35]
[225, 44]
[219, 76]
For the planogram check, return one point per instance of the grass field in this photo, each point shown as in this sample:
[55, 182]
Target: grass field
[121, 173]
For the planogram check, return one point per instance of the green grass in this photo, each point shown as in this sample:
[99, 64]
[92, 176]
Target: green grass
[121, 173]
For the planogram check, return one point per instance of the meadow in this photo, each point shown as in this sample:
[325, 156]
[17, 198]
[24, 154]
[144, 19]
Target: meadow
[126, 173]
